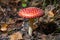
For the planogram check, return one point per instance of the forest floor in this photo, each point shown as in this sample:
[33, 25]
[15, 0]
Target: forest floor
[13, 27]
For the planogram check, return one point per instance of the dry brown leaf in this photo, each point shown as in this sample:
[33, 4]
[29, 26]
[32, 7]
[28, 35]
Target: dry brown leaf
[4, 1]
[17, 1]
[44, 37]
[34, 27]
[16, 36]
[20, 19]
[4, 27]
[10, 21]
[50, 14]
[51, 20]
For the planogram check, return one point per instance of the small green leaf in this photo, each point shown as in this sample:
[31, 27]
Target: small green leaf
[24, 4]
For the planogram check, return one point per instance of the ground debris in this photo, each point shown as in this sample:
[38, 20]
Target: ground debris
[14, 27]
[16, 36]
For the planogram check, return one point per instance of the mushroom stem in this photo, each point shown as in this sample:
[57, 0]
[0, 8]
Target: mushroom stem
[31, 21]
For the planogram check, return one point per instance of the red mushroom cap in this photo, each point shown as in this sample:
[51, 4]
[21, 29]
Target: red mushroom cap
[30, 12]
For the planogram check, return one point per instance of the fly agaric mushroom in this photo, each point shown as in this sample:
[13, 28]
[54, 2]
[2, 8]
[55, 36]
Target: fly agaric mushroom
[30, 13]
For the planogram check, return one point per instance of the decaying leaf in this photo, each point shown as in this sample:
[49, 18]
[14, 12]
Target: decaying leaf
[17, 1]
[16, 36]
[34, 27]
[10, 21]
[4, 27]
[50, 14]
[35, 2]
[44, 37]
[4, 1]
[20, 19]
[51, 20]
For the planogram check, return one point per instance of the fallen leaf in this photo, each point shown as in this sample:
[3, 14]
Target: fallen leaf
[44, 37]
[16, 36]
[50, 14]
[10, 21]
[51, 20]
[34, 27]
[4, 1]
[4, 27]
[17, 1]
